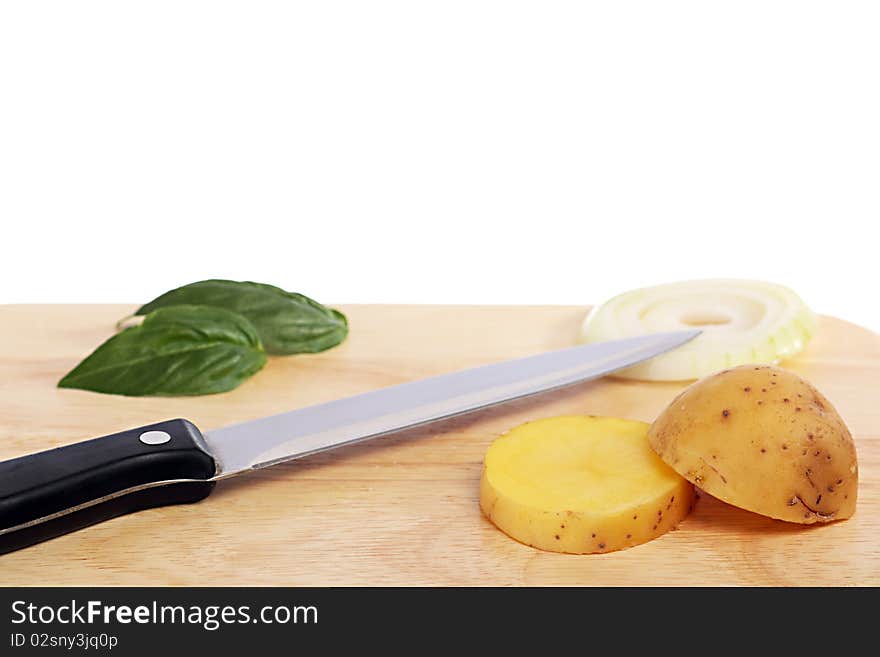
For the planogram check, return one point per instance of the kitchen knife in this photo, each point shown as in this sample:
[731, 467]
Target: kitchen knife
[54, 492]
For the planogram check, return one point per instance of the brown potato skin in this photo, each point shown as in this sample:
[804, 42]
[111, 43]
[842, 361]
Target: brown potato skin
[763, 439]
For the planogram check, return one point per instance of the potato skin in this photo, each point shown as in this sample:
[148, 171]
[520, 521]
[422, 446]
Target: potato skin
[763, 439]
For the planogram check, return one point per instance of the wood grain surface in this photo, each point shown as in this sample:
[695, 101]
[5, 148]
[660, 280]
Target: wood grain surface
[403, 510]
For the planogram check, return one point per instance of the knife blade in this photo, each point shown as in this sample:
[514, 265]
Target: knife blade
[50, 493]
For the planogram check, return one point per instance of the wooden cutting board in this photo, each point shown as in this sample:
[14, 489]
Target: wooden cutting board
[403, 510]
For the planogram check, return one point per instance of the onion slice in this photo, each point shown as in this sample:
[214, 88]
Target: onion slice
[742, 322]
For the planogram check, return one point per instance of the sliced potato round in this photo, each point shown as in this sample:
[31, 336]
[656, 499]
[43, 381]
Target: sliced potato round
[763, 439]
[581, 484]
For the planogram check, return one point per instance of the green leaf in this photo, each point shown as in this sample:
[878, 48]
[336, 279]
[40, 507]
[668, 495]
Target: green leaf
[288, 323]
[183, 350]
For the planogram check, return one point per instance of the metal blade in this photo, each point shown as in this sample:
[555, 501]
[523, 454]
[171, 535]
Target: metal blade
[270, 440]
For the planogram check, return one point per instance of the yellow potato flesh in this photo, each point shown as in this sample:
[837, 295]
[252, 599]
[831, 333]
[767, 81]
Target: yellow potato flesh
[763, 439]
[581, 484]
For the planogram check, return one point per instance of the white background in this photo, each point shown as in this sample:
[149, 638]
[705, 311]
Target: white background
[456, 152]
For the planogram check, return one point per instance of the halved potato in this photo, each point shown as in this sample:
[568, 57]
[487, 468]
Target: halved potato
[763, 439]
[581, 484]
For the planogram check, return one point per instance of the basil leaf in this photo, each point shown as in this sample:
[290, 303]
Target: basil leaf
[288, 323]
[183, 350]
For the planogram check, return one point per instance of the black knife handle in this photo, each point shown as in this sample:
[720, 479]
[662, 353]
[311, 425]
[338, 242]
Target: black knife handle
[88, 482]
